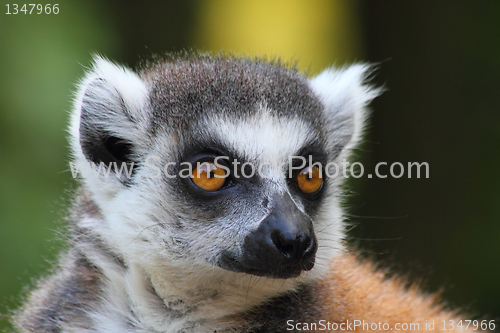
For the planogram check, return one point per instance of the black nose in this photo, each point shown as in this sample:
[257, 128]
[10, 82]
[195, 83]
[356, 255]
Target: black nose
[293, 246]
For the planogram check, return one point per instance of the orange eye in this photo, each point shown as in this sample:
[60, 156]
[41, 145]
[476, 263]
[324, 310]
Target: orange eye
[208, 176]
[310, 181]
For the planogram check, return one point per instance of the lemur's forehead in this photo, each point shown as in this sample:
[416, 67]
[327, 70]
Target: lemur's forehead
[182, 94]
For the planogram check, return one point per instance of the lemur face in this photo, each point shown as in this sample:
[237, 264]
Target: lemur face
[256, 217]
[228, 160]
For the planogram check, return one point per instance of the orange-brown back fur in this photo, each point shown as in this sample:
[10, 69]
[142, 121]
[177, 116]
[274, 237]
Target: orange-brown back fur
[355, 290]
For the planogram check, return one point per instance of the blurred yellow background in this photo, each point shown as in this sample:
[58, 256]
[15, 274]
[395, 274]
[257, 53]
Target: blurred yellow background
[314, 33]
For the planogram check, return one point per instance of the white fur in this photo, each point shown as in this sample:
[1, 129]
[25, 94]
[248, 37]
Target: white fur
[345, 96]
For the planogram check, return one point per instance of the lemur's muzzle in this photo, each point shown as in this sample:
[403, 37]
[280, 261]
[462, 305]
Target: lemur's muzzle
[282, 246]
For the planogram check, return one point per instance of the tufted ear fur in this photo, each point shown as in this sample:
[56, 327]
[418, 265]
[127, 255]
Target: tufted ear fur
[108, 120]
[344, 94]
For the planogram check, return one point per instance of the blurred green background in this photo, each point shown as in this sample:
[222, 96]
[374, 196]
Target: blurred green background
[440, 63]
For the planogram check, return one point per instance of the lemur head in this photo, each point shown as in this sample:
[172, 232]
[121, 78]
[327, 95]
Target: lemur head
[228, 160]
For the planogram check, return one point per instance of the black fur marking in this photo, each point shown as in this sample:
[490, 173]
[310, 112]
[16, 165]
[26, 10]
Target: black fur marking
[119, 149]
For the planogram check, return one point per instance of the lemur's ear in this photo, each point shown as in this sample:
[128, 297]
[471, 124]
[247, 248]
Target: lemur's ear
[109, 114]
[344, 94]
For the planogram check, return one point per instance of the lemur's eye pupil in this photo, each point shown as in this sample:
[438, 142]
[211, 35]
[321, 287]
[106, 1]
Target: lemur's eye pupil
[310, 180]
[208, 176]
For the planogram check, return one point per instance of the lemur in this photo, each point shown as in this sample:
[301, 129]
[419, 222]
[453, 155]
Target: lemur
[187, 238]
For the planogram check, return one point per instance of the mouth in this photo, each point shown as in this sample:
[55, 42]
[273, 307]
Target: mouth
[275, 270]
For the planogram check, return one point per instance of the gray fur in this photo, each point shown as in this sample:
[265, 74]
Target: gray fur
[185, 91]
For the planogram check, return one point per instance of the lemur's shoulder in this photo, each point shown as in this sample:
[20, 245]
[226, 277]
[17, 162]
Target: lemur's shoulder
[63, 299]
